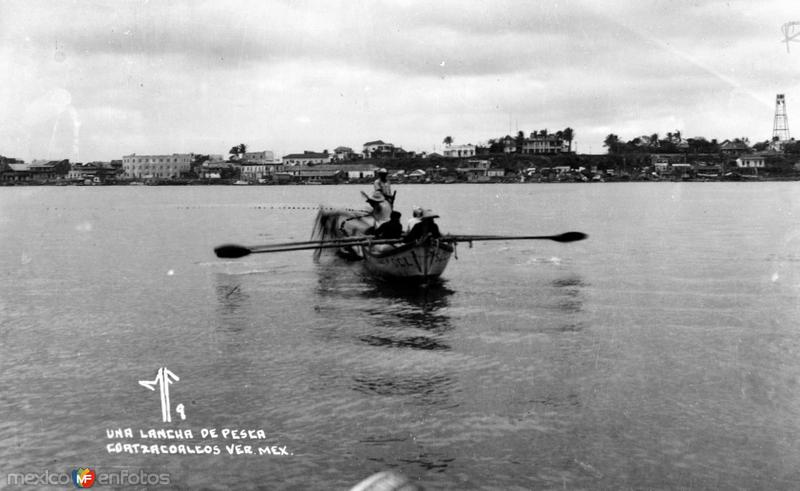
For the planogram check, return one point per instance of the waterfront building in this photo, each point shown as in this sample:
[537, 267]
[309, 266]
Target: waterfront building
[358, 171]
[13, 170]
[496, 172]
[663, 162]
[254, 171]
[317, 174]
[750, 162]
[50, 170]
[306, 158]
[475, 170]
[156, 166]
[93, 172]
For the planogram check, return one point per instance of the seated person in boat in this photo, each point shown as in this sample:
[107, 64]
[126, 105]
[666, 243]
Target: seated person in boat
[381, 210]
[416, 214]
[425, 229]
[392, 229]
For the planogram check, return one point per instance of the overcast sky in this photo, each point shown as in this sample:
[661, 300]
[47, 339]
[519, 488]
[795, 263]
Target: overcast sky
[92, 80]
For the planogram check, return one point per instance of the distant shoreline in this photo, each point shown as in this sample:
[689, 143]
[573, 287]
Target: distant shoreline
[401, 183]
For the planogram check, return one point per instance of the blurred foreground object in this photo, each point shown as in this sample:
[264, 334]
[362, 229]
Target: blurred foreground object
[386, 481]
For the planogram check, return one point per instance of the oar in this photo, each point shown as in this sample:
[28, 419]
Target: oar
[565, 237]
[233, 251]
[318, 241]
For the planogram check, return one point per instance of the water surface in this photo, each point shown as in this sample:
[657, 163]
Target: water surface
[661, 352]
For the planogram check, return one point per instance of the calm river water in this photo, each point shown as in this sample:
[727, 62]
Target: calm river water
[662, 352]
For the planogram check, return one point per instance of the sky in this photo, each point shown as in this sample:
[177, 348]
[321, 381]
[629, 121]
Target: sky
[96, 80]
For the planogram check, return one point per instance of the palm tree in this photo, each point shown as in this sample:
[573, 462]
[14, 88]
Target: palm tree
[448, 140]
[569, 135]
[520, 140]
[612, 142]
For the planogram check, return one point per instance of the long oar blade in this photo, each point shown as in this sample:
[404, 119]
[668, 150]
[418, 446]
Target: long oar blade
[569, 237]
[565, 237]
[232, 251]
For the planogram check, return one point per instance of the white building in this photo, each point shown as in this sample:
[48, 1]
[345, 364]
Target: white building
[750, 162]
[359, 171]
[544, 144]
[157, 166]
[307, 158]
[459, 151]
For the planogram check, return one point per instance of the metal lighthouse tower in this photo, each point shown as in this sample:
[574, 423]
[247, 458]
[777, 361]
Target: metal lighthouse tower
[780, 128]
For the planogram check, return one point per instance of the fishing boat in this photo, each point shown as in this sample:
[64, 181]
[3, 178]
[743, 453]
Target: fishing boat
[408, 262]
[420, 258]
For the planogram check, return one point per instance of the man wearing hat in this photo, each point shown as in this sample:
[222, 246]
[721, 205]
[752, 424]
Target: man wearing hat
[381, 208]
[382, 186]
[425, 229]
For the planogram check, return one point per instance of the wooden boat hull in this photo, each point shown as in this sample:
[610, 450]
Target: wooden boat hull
[408, 262]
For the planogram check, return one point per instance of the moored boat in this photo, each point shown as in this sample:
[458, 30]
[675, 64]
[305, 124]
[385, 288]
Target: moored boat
[415, 262]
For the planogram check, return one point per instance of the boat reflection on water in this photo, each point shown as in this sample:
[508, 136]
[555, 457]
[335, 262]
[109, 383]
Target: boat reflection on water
[395, 312]
[405, 321]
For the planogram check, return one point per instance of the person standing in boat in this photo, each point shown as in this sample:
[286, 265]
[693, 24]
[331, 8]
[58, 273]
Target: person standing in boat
[392, 229]
[383, 186]
[425, 229]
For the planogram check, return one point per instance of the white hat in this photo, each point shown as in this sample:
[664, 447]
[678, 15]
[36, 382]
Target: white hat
[429, 214]
[382, 171]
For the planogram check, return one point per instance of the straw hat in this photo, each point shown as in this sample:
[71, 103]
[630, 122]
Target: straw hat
[382, 171]
[429, 214]
[377, 196]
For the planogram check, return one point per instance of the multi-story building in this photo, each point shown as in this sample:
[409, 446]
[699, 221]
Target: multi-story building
[327, 174]
[254, 171]
[343, 153]
[49, 170]
[96, 172]
[544, 144]
[377, 148]
[306, 158]
[156, 166]
[460, 151]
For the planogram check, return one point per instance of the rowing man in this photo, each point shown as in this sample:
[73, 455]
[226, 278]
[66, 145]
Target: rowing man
[382, 186]
[425, 229]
